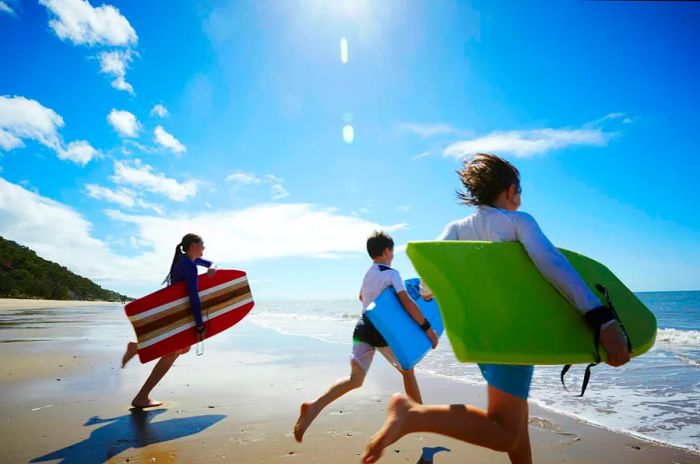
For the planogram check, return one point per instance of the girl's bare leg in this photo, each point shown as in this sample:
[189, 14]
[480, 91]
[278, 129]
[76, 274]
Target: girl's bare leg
[142, 398]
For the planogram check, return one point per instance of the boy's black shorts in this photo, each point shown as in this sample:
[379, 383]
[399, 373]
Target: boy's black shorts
[366, 332]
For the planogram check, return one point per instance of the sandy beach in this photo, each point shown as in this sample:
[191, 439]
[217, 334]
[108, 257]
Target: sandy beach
[65, 399]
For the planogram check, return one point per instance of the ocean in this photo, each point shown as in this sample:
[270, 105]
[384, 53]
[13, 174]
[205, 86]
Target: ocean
[655, 397]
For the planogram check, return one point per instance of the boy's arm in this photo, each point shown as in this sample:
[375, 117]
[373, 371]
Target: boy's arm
[414, 311]
[559, 272]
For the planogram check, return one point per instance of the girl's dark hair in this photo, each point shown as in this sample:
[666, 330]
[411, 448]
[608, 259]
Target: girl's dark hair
[180, 250]
[484, 177]
[378, 242]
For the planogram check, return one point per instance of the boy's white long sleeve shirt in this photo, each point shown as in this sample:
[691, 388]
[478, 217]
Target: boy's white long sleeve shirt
[498, 225]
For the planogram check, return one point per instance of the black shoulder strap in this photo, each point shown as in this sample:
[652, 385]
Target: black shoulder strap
[587, 374]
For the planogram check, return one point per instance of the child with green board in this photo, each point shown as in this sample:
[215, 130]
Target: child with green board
[492, 184]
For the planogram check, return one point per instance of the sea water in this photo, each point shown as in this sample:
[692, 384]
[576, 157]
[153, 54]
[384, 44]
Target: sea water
[655, 397]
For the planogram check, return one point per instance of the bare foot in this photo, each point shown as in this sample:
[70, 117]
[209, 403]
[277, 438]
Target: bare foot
[306, 417]
[138, 403]
[131, 350]
[394, 428]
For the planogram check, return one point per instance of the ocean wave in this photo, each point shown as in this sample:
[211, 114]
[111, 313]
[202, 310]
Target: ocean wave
[678, 338]
[687, 360]
[288, 316]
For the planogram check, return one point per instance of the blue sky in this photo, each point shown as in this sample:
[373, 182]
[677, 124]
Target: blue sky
[125, 125]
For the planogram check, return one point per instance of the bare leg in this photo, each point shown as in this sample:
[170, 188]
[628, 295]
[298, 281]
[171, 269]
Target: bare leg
[502, 428]
[410, 385]
[142, 398]
[131, 351]
[309, 411]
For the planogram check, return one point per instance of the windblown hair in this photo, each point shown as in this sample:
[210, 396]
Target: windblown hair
[180, 250]
[484, 177]
[378, 242]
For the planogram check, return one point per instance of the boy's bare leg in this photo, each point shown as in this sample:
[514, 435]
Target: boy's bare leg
[502, 428]
[142, 398]
[309, 411]
[410, 385]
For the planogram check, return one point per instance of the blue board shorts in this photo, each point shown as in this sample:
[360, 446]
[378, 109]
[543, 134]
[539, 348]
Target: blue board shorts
[512, 379]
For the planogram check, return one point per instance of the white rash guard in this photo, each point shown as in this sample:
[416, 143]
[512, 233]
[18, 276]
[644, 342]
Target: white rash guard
[498, 225]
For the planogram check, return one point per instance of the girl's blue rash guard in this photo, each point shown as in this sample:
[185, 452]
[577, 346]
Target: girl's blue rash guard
[186, 270]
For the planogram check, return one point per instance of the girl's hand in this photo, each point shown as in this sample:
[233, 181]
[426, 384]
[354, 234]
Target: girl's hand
[211, 271]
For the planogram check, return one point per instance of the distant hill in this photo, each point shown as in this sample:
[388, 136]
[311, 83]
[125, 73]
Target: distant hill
[23, 274]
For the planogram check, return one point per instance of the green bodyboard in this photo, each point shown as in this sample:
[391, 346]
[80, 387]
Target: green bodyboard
[498, 308]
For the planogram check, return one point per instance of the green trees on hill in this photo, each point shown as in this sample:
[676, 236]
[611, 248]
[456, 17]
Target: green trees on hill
[23, 274]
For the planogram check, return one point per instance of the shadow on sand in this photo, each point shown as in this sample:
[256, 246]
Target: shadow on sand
[428, 453]
[133, 430]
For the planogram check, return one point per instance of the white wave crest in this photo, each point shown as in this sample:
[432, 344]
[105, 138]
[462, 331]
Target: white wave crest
[678, 338]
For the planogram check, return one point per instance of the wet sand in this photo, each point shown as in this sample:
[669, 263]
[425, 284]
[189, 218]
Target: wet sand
[65, 399]
[17, 303]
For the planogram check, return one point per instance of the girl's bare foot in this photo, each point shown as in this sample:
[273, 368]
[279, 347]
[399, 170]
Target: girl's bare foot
[140, 403]
[397, 412]
[306, 417]
[131, 350]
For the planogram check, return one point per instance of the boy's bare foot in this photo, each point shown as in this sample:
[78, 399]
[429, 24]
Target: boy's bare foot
[306, 417]
[394, 428]
[138, 403]
[131, 350]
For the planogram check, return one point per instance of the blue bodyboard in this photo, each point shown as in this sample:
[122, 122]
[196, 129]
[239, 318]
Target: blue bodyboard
[406, 339]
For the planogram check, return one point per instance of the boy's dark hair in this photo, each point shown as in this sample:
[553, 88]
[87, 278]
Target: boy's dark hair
[378, 242]
[484, 177]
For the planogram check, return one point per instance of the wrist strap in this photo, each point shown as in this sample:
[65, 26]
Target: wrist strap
[425, 325]
[599, 316]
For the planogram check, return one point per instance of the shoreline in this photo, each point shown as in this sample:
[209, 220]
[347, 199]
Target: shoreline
[30, 303]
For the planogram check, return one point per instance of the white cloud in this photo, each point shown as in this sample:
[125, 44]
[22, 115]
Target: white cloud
[232, 236]
[427, 130]
[81, 23]
[32, 220]
[142, 175]
[277, 188]
[115, 64]
[243, 178]
[121, 196]
[160, 111]
[253, 233]
[167, 140]
[22, 118]
[5, 8]
[403, 208]
[80, 152]
[421, 155]
[278, 192]
[526, 143]
[124, 123]
[240, 179]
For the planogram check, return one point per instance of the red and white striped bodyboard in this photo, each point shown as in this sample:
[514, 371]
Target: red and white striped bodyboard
[163, 321]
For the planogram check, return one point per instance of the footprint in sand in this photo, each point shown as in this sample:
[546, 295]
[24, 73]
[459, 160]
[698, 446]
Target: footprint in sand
[547, 425]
